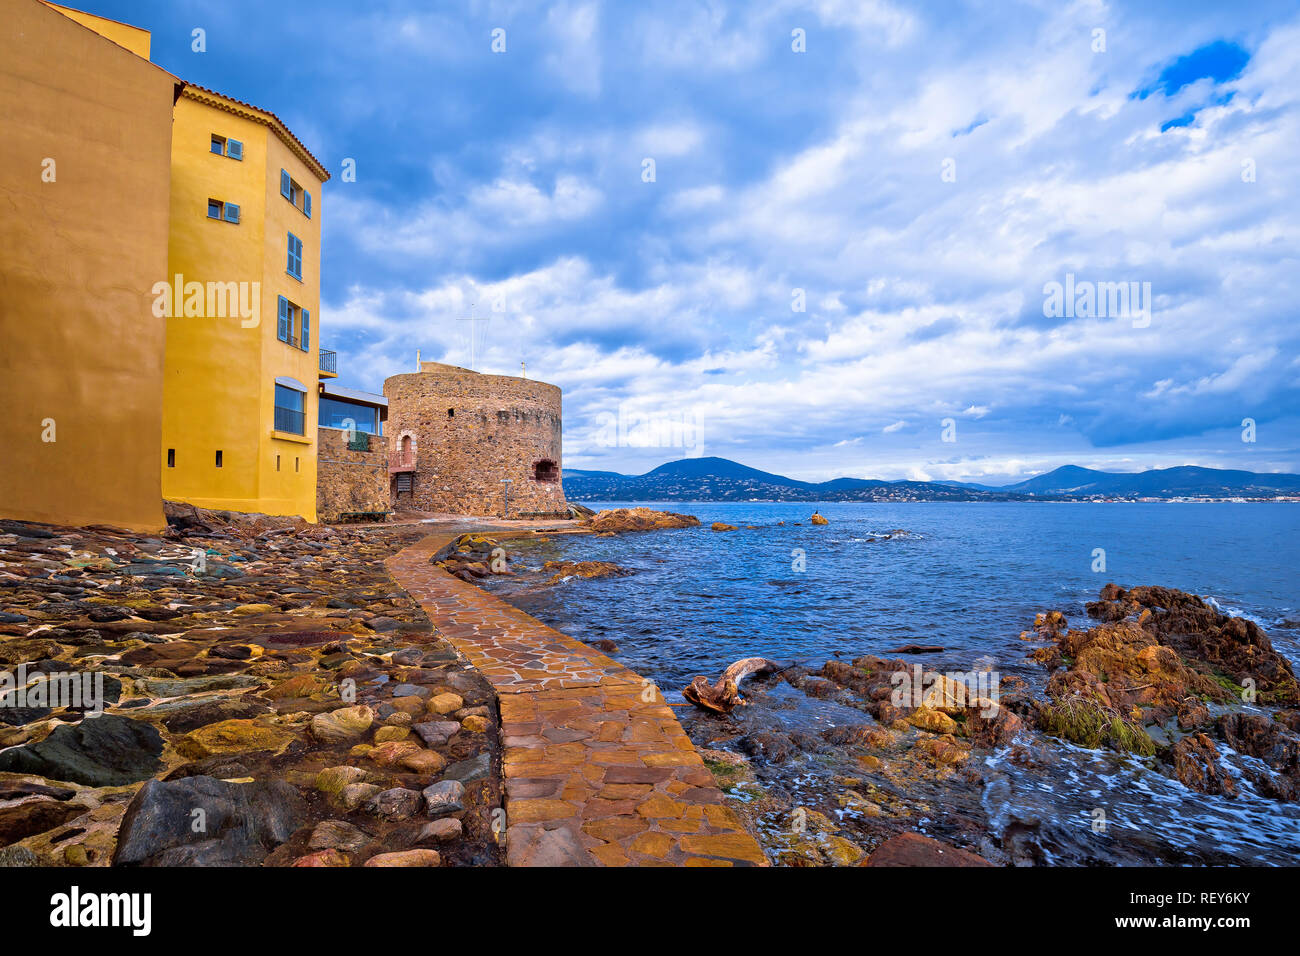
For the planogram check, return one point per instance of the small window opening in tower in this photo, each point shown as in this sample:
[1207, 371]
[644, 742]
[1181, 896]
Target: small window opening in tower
[546, 470]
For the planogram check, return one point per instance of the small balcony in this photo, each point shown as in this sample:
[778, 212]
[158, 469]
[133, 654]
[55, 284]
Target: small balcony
[329, 364]
[401, 460]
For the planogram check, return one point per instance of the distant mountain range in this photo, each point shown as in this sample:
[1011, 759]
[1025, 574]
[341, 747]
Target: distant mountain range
[719, 479]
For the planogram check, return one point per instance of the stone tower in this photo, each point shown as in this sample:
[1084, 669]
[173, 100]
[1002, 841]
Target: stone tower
[455, 434]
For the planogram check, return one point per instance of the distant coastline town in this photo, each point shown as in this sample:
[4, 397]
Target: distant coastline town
[719, 479]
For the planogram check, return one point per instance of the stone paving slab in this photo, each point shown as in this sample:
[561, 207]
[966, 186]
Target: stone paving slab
[598, 772]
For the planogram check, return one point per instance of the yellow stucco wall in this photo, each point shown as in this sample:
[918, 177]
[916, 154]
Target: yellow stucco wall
[78, 340]
[123, 34]
[294, 484]
[221, 371]
[213, 363]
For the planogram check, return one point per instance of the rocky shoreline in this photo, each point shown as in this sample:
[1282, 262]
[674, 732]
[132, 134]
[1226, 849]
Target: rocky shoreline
[1162, 678]
[1160, 682]
[239, 690]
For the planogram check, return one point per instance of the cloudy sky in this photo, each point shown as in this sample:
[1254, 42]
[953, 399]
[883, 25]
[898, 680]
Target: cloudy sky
[814, 237]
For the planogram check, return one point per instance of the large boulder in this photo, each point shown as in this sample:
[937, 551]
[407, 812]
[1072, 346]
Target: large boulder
[105, 751]
[640, 519]
[1214, 643]
[233, 736]
[344, 725]
[1124, 666]
[202, 821]
[583, 569]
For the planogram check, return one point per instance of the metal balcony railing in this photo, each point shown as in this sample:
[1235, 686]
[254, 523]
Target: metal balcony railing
[288, 420]
[329, 361]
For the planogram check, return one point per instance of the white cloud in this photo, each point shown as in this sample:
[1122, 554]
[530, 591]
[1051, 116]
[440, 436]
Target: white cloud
[675, 139]
[576, 52]
[521, 203]
[876, 19]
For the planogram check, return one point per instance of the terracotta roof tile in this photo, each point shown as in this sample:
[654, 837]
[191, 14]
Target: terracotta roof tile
[275, 123]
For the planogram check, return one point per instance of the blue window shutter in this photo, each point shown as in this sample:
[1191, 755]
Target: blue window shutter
[234, 149]
[306, 203]
[294, 265]
[232, 212]
[284, 184]
[306, 330]
[284, 319]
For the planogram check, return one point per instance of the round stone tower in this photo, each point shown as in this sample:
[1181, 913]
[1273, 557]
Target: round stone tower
[455, 435]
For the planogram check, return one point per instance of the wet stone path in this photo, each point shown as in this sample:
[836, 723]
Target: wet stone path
[597, 769]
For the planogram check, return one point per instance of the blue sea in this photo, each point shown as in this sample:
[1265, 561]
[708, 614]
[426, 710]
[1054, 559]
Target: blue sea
[965, 576]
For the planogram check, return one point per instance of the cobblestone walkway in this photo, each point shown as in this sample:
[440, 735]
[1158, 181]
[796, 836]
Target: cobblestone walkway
[597, 769]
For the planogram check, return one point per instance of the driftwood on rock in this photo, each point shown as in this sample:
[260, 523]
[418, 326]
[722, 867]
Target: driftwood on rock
[723, 696]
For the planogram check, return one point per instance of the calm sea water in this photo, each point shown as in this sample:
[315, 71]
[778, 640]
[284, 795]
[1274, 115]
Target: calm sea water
[969, 577]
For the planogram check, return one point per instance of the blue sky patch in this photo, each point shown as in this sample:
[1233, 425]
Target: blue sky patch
[1219, 61]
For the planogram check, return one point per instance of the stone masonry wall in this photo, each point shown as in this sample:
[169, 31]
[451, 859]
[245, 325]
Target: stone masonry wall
[349, 480]
[470, 431]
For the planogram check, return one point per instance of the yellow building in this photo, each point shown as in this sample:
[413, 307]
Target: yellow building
[85, 158]
[177, 351]
[243, 353]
